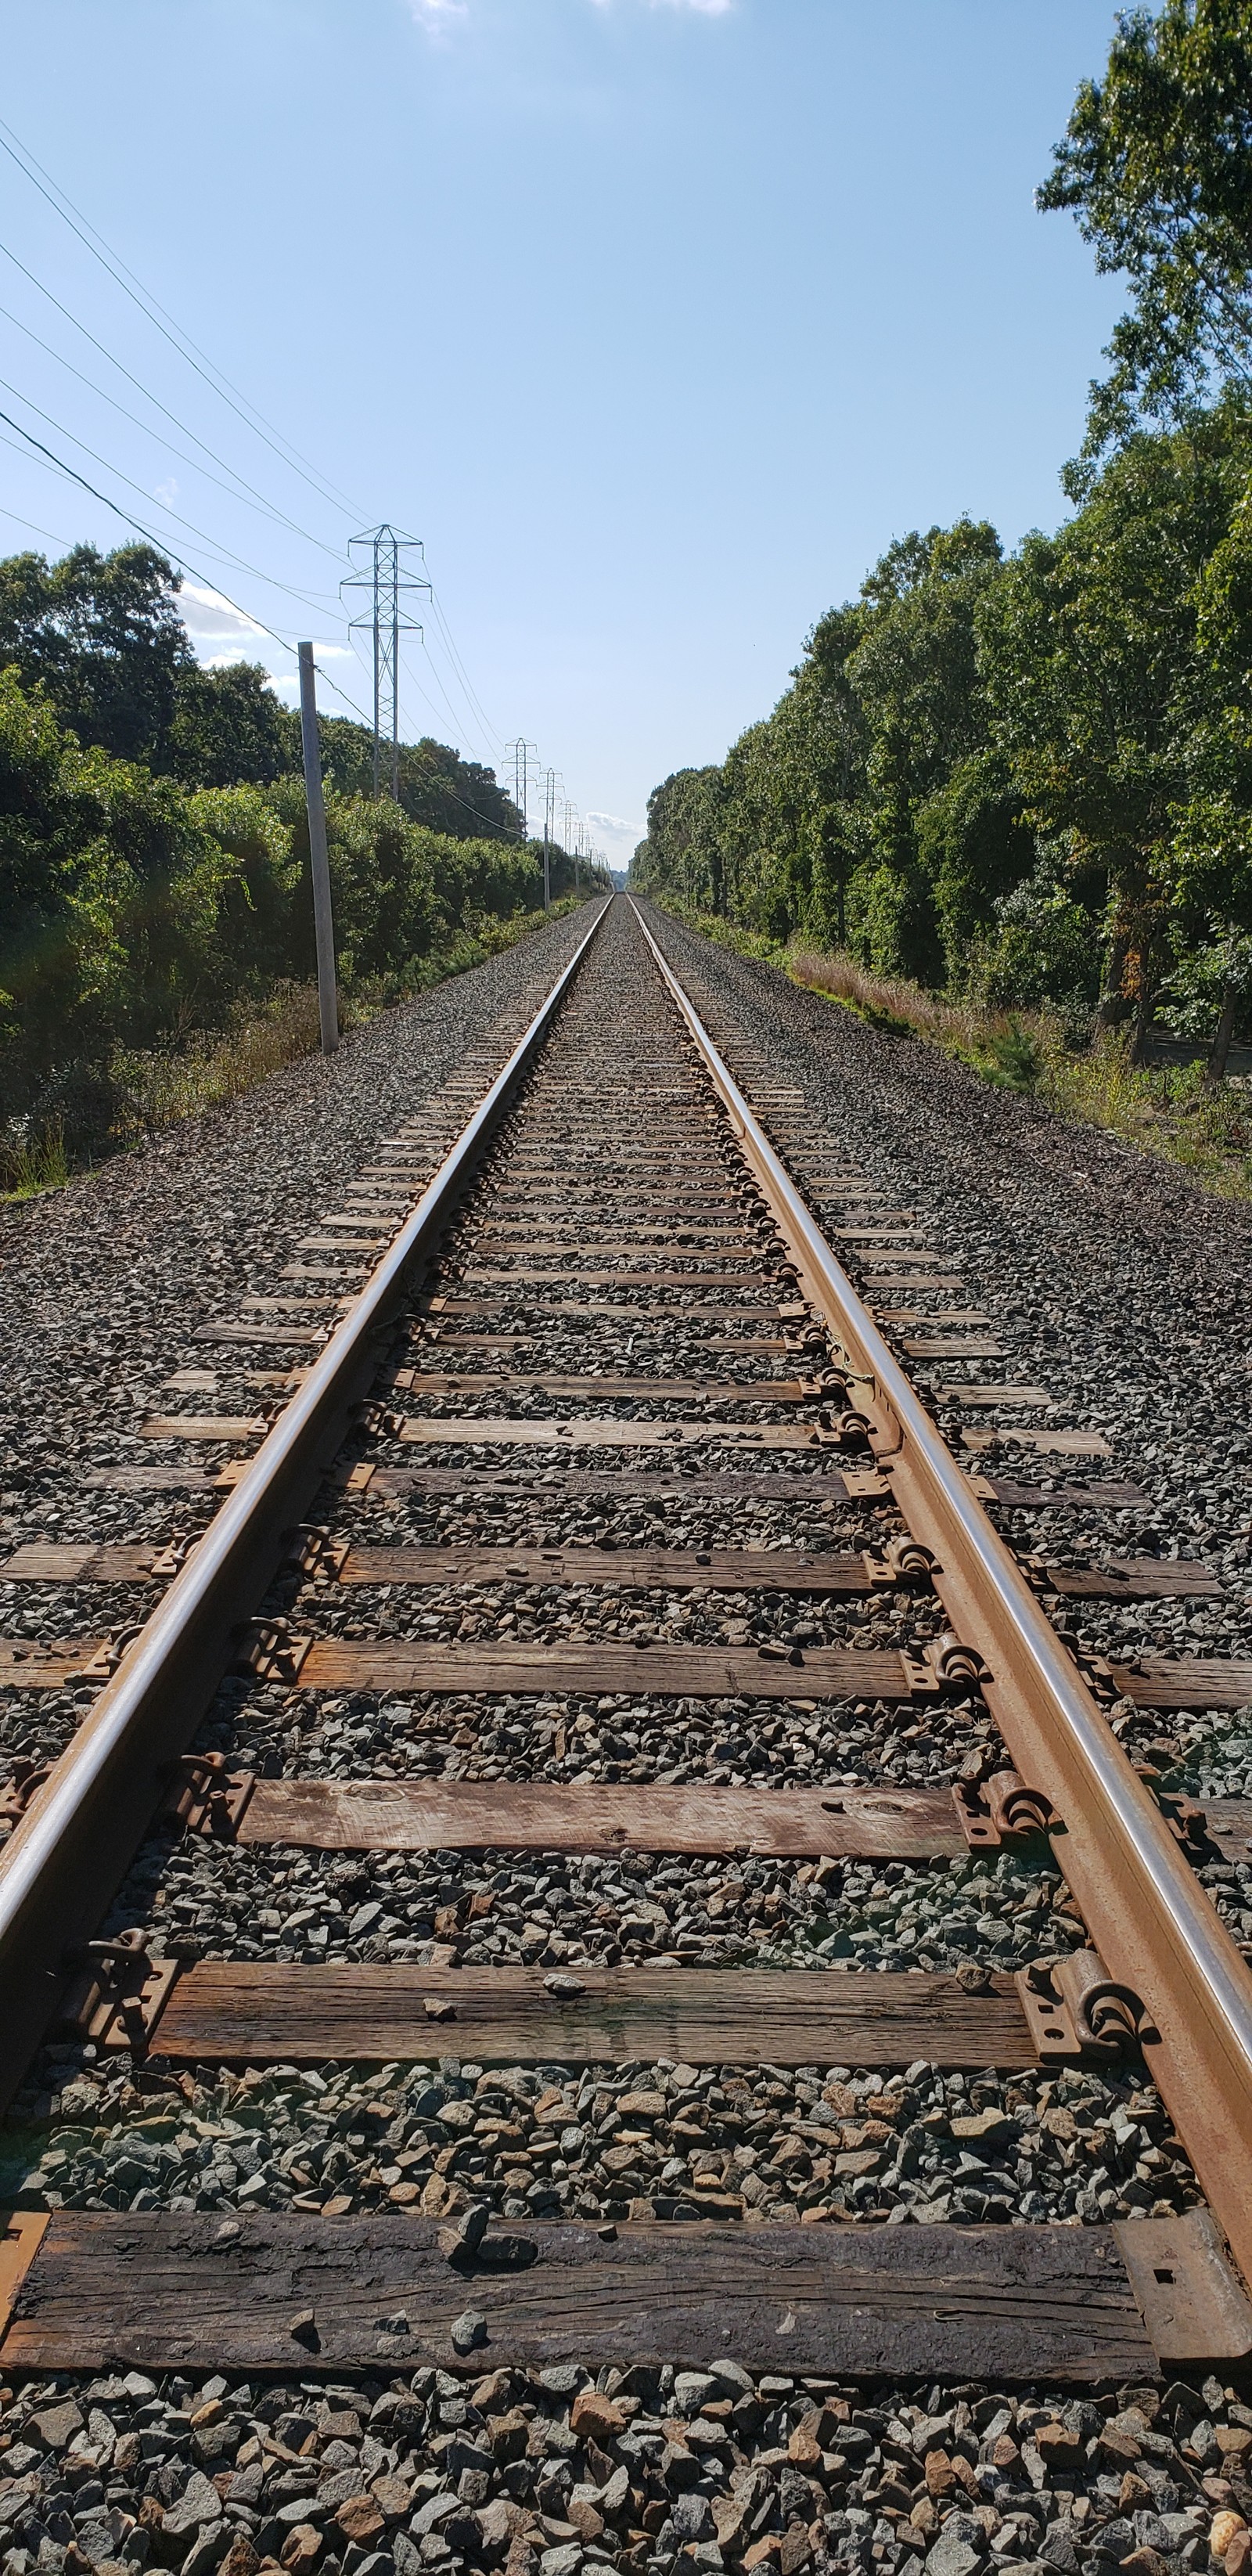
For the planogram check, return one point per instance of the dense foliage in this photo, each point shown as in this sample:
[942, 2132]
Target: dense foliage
[154, 844]
[102, 638]
[1157, 166]
[1030, 779]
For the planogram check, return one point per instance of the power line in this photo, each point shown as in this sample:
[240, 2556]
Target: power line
[225, 552]
[178, 339]
[32, 524]
[185, 347]
[493, 732]
[472, 729]
[149, 305]
[484, 821]
[414, 682]
[74, 476]
[247, 491]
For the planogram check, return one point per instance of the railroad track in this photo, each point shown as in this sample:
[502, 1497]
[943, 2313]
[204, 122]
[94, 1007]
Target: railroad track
[581, 1510]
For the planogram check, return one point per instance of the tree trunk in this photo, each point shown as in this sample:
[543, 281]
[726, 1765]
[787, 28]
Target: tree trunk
[1219, 1052]
[1111, 996]
[1145, 1004]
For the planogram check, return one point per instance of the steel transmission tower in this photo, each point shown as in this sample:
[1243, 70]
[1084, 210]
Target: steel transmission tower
[551, 783]
[522, 754]
[388, 585]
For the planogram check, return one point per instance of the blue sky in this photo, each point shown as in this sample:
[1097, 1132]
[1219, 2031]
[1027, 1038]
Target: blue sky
[655, 319]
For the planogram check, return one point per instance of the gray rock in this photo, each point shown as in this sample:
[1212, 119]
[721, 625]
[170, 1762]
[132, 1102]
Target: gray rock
[952, 2556]
[691, 2517]
[199, 2503]
[562, 2561]
[336, 2491]
[21, 2459]
[468, 2330]
[429, 2515]
[1057, 2548]
[495, 2522]
[100, 2539]
[57, 2425]
[691, 2388]
[1152, 2532]
[208, 2549]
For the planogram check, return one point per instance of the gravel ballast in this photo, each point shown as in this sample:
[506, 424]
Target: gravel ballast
[1127, 1317]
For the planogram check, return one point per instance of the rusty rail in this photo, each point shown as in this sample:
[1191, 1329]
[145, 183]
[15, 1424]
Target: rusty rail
[77, 1838]
[1157, 1932]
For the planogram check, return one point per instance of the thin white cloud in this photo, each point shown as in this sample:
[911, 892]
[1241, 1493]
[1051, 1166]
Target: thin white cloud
[614, 827]
[700, 8]
[166, 493]
[207, 615]
[438, 17]
[226, 661]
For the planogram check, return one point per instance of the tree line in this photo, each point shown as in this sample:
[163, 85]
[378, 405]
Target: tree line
[1027, 777]
[154, 842]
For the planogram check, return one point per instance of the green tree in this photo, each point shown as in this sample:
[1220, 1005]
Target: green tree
[457, 797]
[1156, 164]
[915, 673]
[101, 635]
[228, 727]
[1089, 656]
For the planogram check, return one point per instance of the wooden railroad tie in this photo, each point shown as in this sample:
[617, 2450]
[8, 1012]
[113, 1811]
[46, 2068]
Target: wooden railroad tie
[765, 1570]
[804, 1675]
[864, 1822]
[159, 2290]
[1058, 2012]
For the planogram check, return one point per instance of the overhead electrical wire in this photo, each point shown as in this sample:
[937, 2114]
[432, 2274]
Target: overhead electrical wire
[438, 680]
[134, 380]
[471, 721]
[70, 472]
[424, 694]
[148, 304]
[493, 731]
[220, 384]
[184, 565]
[72, 475]
[32, 524]
[225, 552]
[475, 708]
[247, 492]
[197, 571]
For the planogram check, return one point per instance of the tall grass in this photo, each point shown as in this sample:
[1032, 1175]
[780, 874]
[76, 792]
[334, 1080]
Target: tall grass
[32, 1161]
[161, 1085]
[208, 1067]
[1168, 1110]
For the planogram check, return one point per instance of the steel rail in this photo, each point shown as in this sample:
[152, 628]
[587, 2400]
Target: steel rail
[1155, 1927]
[71, 1849]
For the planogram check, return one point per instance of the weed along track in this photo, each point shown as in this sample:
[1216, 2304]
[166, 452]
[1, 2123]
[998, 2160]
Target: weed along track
[587, 1978]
